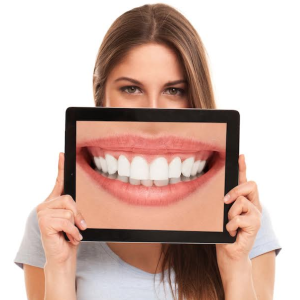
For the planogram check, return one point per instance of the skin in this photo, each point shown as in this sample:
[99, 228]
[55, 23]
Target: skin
[242, 278]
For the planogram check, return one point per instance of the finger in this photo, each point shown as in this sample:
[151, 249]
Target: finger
[240, 206]
[242, 169]
[58, 213]
[247, 189]
[60, 224]
[250, 223]
[72, 240]
[59, 184]
[233, 233]
[65, 202]
[240, 221]
[62, 214]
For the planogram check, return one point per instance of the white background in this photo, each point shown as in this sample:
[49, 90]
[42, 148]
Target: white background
[48, 50]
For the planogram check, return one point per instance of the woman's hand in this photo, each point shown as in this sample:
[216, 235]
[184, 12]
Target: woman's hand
[244, 219]
[56, 214]
[244, 214]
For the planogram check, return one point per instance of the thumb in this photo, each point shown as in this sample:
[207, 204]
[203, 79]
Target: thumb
[242, 169]
[59, 184]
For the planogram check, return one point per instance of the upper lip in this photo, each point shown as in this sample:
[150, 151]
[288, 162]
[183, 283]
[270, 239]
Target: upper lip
[150, 145]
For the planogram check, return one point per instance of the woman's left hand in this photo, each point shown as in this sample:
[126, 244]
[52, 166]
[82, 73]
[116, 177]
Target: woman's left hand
[244, 214]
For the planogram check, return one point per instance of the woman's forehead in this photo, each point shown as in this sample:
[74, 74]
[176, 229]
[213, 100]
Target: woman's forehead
[148, 62]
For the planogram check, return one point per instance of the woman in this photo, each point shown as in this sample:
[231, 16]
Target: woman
[150, 45]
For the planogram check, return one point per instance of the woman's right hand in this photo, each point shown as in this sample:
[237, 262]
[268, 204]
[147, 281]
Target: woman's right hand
[56, 214]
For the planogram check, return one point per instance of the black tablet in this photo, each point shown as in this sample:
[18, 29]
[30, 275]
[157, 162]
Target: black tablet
[152, 175]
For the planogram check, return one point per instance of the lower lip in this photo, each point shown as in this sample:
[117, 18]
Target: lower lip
[149, 196]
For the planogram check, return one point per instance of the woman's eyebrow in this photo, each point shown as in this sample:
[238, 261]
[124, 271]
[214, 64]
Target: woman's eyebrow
[169, 83]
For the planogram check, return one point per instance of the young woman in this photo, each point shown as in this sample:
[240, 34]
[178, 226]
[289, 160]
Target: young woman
[149, 47]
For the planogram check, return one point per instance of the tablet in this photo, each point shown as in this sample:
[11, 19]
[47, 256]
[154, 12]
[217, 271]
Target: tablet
[152, 175]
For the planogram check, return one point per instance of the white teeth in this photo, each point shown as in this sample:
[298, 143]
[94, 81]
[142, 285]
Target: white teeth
[159, 169]
[195, 168]
[147, 182]
[112, 176]
[158, 173]
[201, 166]
[112, 164]
[139, 168]
[122, 178]
[97, 162]
[174, 180]
[161, 182]
[103, 164]
[175, 168]
[134, 181]
[186, 167]
[123, 166]
[184, 178]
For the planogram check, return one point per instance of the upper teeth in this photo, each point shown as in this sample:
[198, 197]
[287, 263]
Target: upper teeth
[159, 169]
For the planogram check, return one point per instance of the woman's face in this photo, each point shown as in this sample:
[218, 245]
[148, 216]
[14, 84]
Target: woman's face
[150, 175]
[154, 67]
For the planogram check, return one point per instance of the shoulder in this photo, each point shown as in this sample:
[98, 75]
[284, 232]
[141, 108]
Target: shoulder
[266, 239]
[32, 220]
[31, 250]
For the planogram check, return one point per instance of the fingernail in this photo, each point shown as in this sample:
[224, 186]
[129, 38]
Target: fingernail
[226, 198]
[81, 237]
[83, 224]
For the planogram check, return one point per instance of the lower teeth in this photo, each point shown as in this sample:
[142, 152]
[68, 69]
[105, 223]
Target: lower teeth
[149, 182]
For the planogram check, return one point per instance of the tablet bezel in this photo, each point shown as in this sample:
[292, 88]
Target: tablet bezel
[231, 117]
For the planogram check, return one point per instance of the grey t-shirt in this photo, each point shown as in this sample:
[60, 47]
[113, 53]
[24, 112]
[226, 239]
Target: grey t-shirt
[101, 274]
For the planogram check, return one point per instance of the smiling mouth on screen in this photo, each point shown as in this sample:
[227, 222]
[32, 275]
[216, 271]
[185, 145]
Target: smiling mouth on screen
[139, 170]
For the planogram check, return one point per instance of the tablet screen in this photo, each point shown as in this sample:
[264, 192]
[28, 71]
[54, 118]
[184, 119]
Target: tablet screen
[151, 175]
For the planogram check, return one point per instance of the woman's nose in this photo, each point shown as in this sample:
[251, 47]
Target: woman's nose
[163, 102]
[149, 102]
[153, 101]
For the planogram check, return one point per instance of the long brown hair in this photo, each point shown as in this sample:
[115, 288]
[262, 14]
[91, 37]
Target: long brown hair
[195, 266]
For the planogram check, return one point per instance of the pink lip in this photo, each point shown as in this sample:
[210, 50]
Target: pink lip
[167, 145]
[138, 143]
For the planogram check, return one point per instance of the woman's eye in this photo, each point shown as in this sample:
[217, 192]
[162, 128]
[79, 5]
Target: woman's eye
[131, 89]
[174, 91]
